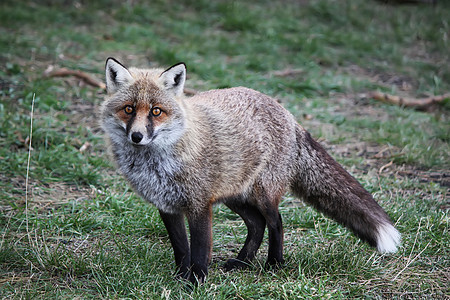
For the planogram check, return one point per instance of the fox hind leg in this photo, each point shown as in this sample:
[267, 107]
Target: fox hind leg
[256, 224]
[275, 228]
[268, 201]
[258, 211]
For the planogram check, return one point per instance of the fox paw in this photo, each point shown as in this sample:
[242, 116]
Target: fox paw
[274, 264]
[232, 264]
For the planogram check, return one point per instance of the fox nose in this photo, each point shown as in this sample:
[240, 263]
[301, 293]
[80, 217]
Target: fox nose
[136, 137]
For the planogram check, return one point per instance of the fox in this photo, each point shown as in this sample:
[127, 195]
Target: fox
[234, 146]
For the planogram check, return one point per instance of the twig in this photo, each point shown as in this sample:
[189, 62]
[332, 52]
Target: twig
[32, 243]
[381, 152]
[63, 72]
[28, 169]
[190, 92]
[288, 72]
[385, 166]
[87, 78]
[84, 147]
[420, 104]
[410, 261]
[81, 244]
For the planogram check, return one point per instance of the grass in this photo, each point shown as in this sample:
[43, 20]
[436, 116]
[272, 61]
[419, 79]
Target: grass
[90, 236]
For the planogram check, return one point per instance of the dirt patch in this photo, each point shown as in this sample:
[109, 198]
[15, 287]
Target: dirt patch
[56, 194]
[379, 157]
[42, 197]
[439, 176]
[388, 79]
[87, 113]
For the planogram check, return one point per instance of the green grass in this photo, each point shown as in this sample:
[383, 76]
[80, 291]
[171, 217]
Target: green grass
[83, 233]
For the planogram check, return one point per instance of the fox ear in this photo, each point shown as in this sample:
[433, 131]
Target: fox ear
[173, 78]
[116, 75]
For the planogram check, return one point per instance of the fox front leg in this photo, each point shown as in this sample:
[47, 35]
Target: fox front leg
[200, 227]
[178, 238]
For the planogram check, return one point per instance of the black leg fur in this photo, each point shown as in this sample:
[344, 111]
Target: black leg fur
[275, 227]
[200, 227]
[178, 238]
[256, 224]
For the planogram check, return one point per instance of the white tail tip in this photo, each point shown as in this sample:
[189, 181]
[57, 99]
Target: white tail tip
[388, 238]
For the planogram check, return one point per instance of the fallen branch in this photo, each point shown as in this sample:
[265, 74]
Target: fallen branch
[288, 72]
[190, 92]
[420, 104]
[64, 72]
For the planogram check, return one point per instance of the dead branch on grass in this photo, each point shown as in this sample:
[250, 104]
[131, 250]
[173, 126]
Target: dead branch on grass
[385, 167]
[190, 92]
[64, 72]
[419, 104]
[87, 78]
[288, 72]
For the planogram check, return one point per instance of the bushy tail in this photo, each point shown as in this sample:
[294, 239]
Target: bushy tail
[324, 184]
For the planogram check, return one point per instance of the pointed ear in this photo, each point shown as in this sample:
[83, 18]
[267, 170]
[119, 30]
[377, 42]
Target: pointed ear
[173, 78]
[116, 75]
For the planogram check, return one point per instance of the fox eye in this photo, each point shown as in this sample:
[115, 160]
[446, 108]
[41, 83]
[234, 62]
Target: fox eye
[128, 109]
[156, 111]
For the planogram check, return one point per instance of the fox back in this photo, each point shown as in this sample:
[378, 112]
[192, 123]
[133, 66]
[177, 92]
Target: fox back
[235, 146]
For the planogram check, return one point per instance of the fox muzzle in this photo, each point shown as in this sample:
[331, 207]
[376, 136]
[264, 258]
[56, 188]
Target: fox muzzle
[140, 131]
[137, 137]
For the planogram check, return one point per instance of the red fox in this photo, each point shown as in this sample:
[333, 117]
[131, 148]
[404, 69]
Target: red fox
[233, 146]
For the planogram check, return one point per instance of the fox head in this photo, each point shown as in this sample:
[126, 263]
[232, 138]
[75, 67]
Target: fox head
[143, 105]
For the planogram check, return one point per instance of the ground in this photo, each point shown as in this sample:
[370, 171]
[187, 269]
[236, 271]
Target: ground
[72, 228]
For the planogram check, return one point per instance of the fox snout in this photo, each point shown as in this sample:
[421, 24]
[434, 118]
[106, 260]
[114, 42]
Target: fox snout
[139, 129]
[140, 137]
[137, 137]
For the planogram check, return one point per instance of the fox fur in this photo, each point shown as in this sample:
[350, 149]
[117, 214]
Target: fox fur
[233, 146]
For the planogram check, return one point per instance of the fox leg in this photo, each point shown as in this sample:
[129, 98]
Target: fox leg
[256, 224]
[267, 203]
[178, 238]
[200, 227]
[275, 228]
